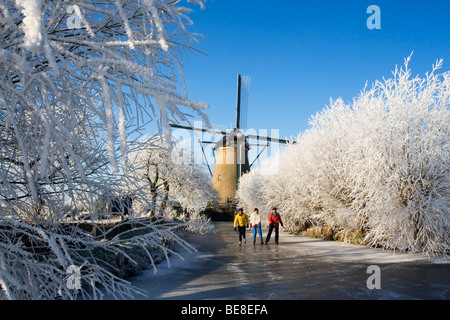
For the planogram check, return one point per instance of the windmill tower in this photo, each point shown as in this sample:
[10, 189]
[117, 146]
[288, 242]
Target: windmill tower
[231, 160]
[232, 150]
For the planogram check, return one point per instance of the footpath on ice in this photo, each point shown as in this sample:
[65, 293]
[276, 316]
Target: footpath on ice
[296, 268]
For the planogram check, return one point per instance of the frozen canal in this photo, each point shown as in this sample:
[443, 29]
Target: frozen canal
[296, 268]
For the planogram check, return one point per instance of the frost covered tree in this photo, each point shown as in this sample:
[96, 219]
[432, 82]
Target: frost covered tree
[78, 78]
[63, 82]
[378, 167]
[166, 180]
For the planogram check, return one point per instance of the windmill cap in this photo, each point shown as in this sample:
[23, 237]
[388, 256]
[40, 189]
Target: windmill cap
[231, 139]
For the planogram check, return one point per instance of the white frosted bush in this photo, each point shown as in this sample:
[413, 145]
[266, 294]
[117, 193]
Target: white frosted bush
[379, 164]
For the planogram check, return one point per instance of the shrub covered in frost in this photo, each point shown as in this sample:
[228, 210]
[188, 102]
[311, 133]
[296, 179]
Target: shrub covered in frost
[380, 164]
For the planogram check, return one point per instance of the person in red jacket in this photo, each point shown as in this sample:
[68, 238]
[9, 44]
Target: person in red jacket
[274, 222]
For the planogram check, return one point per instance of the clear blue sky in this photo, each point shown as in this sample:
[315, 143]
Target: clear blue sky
[300, 53]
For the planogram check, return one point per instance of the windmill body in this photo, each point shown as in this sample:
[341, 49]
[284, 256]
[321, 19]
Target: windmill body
[231, 163]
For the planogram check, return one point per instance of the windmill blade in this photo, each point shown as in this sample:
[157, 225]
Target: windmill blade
[259, 154]
[270, 139]
[212, 131]
[243, 89]
[206, 158]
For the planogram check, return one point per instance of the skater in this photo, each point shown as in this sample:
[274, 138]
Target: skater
[274, 222]
[241, 222]
[255, 223]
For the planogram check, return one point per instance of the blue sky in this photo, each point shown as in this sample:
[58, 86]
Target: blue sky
[299, 54]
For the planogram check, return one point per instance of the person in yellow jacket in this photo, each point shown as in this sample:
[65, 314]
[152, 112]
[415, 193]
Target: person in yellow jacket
[241, 222]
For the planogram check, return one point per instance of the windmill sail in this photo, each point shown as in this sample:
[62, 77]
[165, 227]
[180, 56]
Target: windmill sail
[243, 90]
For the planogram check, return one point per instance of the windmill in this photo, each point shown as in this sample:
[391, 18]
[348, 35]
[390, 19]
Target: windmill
[231, 160]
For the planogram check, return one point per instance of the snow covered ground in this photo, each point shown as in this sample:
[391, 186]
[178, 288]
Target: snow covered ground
[296, 268]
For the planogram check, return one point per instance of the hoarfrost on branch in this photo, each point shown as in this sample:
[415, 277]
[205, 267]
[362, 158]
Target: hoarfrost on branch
[73, 97]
